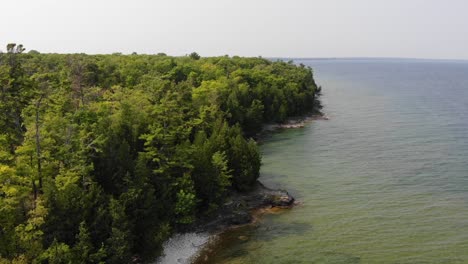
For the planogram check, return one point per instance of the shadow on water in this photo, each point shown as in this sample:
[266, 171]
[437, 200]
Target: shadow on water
[242, 240]
[280, 135]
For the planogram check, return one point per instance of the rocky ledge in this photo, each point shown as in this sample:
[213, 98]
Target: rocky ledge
[298, 122]
[237, 210]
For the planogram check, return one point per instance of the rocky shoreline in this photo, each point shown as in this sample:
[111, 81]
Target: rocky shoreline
[237, 211]
[241, 208]
[298, 122]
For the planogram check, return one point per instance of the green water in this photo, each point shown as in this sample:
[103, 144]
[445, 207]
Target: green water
[385, 180]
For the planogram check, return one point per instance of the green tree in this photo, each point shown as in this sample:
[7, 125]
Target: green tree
[194, 56]
[83, 247]
[244, 161]
[120, 240]
[57, 253]
[186, 200]
[15, 94]
[30, 233]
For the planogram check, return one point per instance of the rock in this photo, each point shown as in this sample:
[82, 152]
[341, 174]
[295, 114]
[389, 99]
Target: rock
[275, 198]
[237, 210]
[240, 218]
[295, 125]
[282, 200]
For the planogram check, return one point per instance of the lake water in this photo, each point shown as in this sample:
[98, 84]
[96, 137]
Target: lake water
[385, 180]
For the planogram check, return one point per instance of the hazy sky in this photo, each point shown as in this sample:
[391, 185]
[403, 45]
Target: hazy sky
[269, 28]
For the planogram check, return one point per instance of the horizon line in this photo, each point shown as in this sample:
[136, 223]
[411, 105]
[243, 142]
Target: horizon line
[365, 58]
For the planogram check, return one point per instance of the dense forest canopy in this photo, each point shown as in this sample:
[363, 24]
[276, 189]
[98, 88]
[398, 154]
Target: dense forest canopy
[103, 156]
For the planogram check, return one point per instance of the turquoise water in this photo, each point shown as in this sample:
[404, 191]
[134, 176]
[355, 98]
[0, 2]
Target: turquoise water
[385, 180]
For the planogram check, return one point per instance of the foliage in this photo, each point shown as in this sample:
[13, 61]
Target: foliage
[103, 156]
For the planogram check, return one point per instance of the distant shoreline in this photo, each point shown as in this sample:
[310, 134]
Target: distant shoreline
[365, 59]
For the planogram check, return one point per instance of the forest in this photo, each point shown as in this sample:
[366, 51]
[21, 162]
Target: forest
[103, 157]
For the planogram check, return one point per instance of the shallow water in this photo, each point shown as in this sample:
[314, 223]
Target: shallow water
[385, 180]
[181, 248]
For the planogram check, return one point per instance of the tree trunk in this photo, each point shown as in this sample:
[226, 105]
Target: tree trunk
[38, 143]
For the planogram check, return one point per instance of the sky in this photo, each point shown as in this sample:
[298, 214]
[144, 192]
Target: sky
[436, 29]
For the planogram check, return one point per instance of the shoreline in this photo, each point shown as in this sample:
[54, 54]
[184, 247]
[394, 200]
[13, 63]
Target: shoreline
[298, 122]
[194, 244]
[221, 239]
